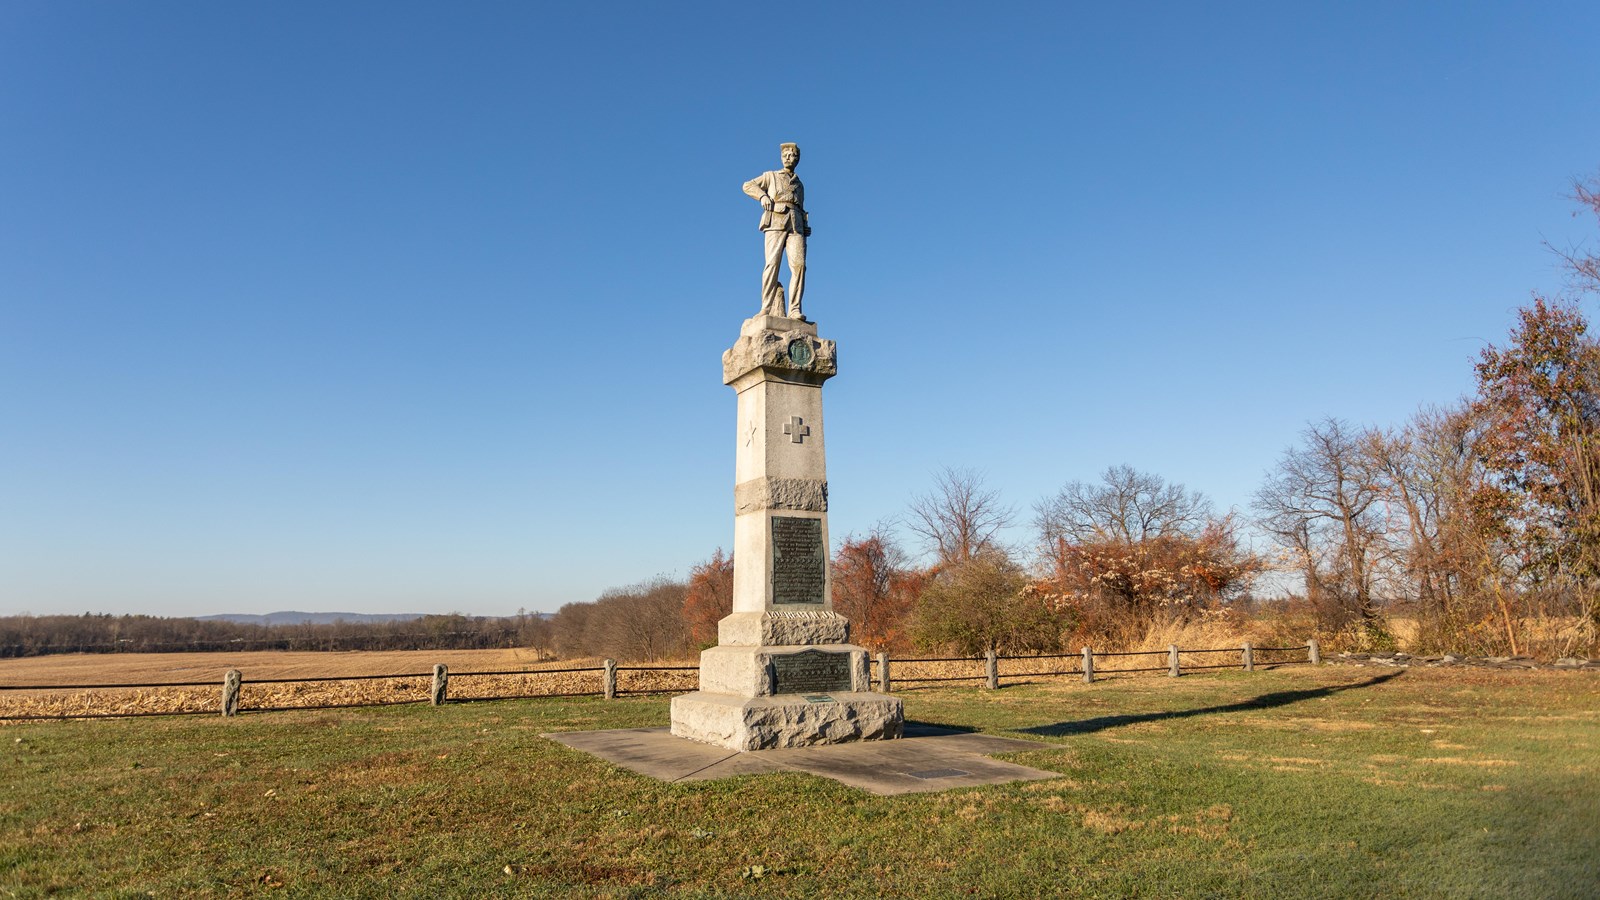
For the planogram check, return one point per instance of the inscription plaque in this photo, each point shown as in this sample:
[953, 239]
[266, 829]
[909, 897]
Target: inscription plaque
[799, 562]
[810, 672]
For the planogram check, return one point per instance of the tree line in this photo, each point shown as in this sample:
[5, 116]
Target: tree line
[103, 633]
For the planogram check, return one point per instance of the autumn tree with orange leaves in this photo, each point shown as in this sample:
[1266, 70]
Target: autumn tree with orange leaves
[876, 590]
[1540, 398]
[709, 598]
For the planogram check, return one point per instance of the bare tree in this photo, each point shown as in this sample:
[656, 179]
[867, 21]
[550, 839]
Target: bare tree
[1126, 506]
[569, 629]
[960, 517]
[1447, 538]
[535, 632]
[1429, 470]
[1322, 502]
[1582, 266]
[640, 622]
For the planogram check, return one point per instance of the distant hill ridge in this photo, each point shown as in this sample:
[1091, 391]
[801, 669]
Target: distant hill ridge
[290, 617]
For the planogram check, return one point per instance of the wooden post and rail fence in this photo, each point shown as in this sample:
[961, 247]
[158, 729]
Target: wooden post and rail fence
[233, 681]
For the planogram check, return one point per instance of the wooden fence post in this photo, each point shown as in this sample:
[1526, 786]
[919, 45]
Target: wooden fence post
[1249, 659]
[1088, 666]
[991, 670]
[611, 679]
[1172, 660]
[230, 692]
[441, 684]
[1314, 652]
[883, 672]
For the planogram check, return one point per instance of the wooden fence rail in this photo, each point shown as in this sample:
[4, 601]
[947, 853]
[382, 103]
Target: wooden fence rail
[438, 687]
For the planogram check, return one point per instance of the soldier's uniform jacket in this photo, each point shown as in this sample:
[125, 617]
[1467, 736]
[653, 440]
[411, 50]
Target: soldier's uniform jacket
[788, 195]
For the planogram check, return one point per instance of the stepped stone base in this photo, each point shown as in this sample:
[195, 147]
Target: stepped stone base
[785, 720]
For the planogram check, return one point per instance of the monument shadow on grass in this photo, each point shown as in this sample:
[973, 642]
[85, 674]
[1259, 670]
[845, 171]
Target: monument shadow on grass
[1265, 701]
[935, 729]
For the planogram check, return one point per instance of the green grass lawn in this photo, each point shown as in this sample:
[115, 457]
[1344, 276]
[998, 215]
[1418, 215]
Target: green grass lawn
[1297, 782]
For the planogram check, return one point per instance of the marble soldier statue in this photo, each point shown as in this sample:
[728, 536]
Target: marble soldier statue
[784, 224]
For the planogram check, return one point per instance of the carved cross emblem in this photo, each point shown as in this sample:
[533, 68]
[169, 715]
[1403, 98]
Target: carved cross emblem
[797, 429]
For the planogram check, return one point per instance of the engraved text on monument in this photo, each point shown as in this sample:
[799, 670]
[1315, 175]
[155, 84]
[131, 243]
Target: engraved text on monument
[799, 561]
[810, 672]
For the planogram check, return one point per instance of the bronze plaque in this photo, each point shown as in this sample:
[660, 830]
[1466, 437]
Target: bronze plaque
[810, 672]
[799, 561]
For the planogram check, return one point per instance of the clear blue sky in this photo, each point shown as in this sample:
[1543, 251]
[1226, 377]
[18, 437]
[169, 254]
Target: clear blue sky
[420, 307]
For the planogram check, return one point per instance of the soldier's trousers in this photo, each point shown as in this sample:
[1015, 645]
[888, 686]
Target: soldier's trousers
[778, 244]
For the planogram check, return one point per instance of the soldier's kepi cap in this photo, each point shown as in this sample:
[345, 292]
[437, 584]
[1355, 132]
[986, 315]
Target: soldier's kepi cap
[783, 147]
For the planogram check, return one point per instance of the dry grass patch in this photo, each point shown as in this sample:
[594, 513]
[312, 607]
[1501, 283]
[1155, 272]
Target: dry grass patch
[1053, 784]
[534, 679]
[1380, 781]
[1330, 725]
[136, 668]
[1210, 823]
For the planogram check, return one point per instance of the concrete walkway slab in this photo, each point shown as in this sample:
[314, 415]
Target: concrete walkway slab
[926, 759]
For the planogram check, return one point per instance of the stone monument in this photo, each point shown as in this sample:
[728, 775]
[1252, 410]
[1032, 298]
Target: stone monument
[783, 673]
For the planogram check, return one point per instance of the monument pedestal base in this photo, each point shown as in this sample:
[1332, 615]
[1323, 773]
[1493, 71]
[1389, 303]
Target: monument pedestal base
[783, 673]
[772, 697]
[785, 720]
